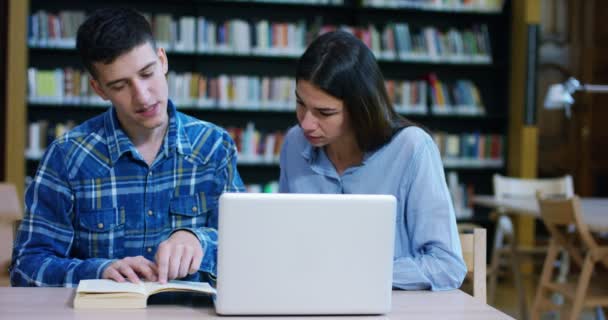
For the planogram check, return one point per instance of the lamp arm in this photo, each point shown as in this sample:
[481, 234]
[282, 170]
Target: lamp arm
[594, 88]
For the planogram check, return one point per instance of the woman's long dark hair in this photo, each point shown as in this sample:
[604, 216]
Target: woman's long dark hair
[344, 67]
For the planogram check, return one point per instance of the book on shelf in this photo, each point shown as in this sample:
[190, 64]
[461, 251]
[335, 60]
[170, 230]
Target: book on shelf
[109, 294]
[462, 196]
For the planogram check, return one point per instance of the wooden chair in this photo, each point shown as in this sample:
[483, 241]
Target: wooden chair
[10, 215]
[570, 233]
[474, 254]
[505, 250]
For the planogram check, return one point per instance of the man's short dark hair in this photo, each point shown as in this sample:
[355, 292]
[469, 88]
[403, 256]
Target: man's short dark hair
[108, 33]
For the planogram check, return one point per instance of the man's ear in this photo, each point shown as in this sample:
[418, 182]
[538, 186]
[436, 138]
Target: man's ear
[97, 88]
[162, 56]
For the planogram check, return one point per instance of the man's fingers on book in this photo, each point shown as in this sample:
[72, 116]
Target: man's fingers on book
[113, 274]
[129, 273]
[162, 261]
[153, 266]
[175, 261]
[184, 265]
[196, 262]
[146, 271]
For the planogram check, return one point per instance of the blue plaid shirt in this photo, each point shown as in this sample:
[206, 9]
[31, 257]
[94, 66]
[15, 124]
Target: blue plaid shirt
[94, 199]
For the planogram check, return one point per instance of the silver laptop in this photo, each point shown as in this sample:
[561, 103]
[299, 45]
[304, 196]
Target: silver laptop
[295, 254]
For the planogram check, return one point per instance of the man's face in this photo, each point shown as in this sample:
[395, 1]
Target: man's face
[135, 83]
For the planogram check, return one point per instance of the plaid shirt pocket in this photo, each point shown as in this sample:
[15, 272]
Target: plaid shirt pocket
[101, 234]
[192, 211]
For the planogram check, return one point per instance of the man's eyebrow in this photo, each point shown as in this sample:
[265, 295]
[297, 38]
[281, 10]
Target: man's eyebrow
[113, 82]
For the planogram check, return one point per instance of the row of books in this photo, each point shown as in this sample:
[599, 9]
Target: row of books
[470, 149]
[246, 92]
[310, 2]
[41, 133]
[460, 97]
[237, 92]
[462, 195]
[256, 147]
[269, 187]
[482, 6]
[400, 42]
[253, 146]
[392, 41]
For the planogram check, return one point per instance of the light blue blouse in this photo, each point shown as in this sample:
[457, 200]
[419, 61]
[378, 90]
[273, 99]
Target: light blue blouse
[427, 246]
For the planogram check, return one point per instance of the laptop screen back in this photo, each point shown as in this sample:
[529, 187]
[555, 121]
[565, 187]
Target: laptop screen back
[305, 253]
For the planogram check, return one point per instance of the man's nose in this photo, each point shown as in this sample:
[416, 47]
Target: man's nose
[141, 93]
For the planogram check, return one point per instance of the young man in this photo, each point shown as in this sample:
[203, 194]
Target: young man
[131, 194]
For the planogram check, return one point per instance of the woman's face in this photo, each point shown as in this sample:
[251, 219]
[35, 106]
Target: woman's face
[322, 117]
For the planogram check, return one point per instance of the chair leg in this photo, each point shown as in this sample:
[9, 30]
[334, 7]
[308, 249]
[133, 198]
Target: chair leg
[545, 278]
[516, 267]
[493, 275]
[581, 288]
[503, 230]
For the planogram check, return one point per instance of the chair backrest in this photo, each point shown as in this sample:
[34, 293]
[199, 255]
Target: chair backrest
[509, 187]
[474, 254]
[10, 215]
[559, 215]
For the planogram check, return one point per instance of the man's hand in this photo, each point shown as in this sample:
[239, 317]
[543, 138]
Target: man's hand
[178, 256]
[131, 268]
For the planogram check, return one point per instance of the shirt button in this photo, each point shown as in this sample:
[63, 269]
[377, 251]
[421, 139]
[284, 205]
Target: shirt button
[100, 225]
[149, 249]
[150, 173]
[194, 209]
[150, 213]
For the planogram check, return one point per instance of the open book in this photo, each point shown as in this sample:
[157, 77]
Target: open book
[109, 294]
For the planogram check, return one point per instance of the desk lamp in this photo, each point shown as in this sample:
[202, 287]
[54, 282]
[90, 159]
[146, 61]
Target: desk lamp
[560, 95]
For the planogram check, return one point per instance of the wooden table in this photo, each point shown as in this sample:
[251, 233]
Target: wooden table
[594, 210]
[56, 303]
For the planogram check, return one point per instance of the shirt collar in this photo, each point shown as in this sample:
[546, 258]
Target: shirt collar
[310, 153]
[119, 143]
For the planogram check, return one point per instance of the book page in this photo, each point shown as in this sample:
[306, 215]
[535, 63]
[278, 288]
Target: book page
[109, 286]
[177, 285]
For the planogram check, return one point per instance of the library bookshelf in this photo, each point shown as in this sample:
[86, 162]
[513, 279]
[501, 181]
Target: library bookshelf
[232, 63]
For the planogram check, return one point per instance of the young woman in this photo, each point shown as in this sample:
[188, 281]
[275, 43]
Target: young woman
[351, 140]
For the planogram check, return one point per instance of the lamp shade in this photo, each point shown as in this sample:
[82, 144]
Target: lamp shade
[558, 97]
